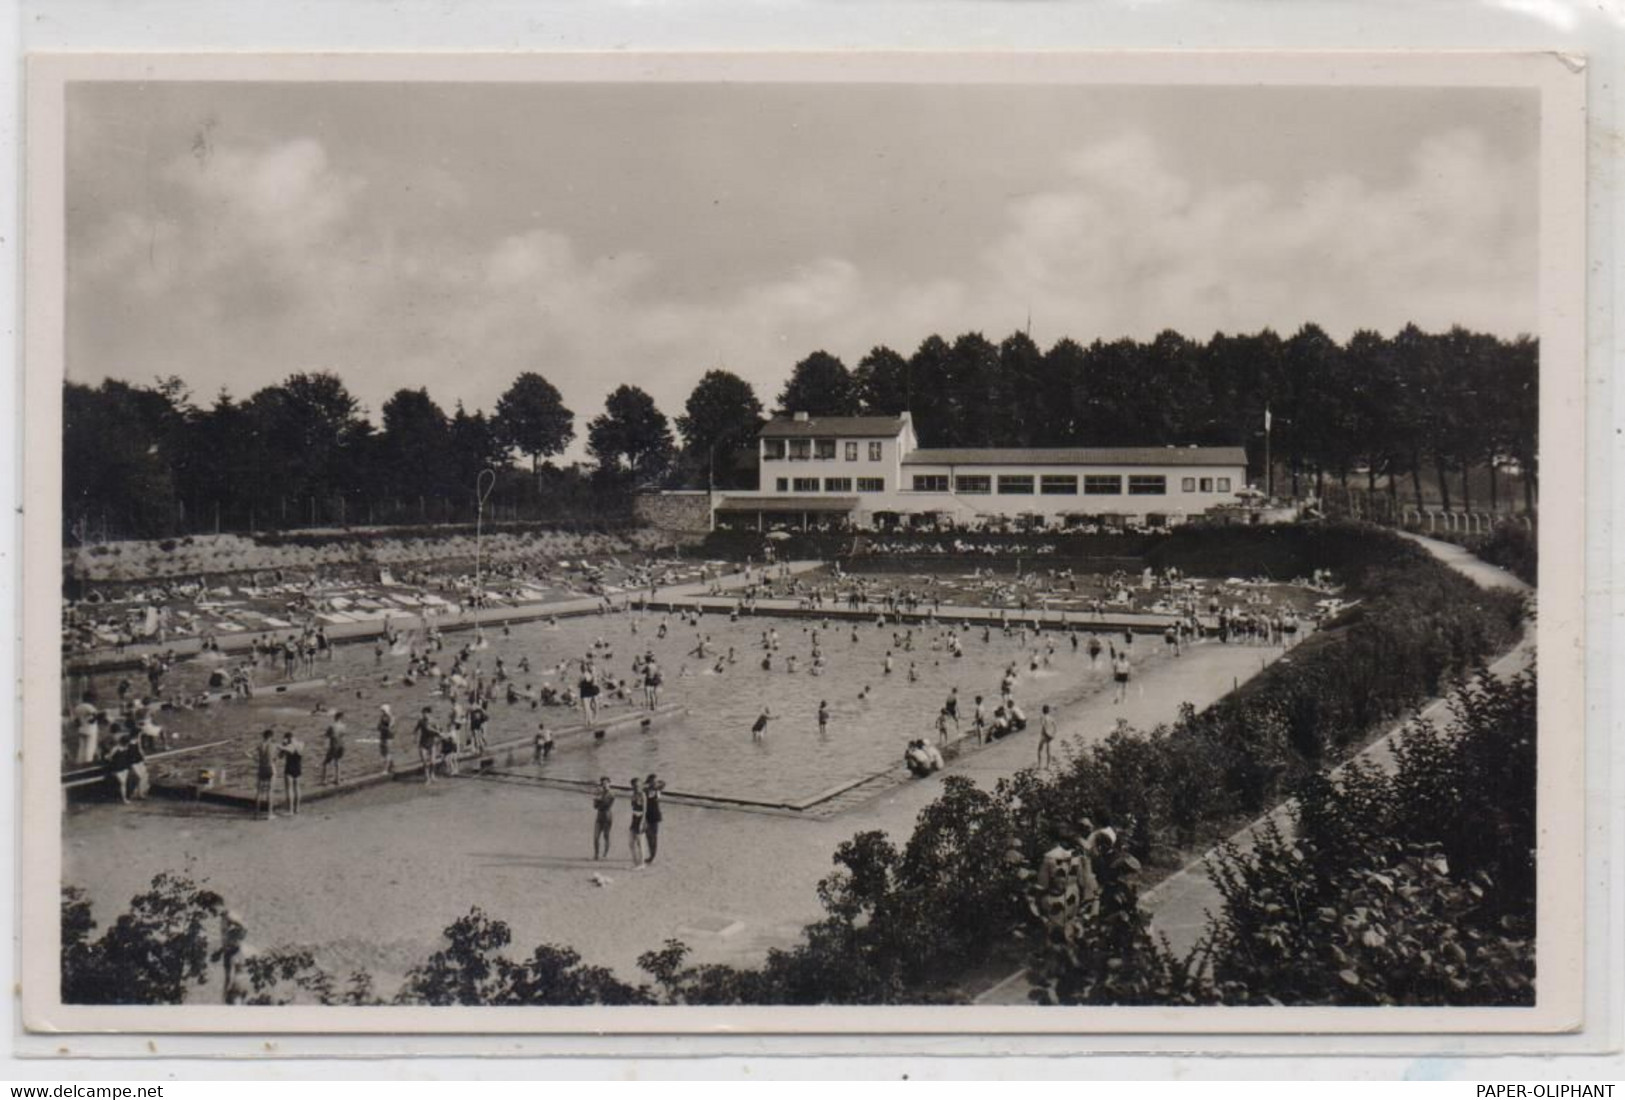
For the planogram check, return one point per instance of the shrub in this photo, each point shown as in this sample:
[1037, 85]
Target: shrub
[470, 970]
[152, 954]
[1410, 888]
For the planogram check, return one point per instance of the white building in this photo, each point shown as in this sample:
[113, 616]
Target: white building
[818, 470]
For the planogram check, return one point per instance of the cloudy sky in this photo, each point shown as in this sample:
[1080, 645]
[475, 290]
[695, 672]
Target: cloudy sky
[451, 236]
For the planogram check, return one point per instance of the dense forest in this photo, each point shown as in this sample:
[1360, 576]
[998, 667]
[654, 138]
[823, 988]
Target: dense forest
[1457, 411]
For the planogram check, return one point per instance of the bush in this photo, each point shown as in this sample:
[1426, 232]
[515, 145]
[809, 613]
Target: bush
[1413, 888]
[153, 954]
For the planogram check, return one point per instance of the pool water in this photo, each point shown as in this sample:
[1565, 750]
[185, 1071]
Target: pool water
[710, 751]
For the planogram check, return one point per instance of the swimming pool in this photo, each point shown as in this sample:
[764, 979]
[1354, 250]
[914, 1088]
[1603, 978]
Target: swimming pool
[710, 751]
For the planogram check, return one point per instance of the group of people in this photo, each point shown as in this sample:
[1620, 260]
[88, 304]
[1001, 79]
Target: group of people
[117, 739]
[644, 832]
[287, 758]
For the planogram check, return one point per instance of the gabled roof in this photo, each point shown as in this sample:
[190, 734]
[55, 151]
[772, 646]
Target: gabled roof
[1077, 456]
[869, 427]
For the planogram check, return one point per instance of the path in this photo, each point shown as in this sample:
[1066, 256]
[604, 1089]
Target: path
[1179, 905]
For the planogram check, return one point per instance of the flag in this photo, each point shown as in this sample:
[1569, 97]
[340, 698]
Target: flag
[1266, 418]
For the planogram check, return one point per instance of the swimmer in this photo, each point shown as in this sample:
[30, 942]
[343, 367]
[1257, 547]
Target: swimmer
[758, 729]
[1120, 675]
[1046, 734]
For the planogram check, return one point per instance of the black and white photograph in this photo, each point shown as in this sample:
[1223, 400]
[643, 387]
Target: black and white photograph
[1001, 536]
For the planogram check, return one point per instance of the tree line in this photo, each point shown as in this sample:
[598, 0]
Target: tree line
[1388, 412]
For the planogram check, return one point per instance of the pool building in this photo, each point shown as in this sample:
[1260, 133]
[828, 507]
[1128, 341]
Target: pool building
[871, 471]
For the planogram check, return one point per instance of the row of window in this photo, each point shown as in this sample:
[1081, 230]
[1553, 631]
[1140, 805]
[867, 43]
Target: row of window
[831, 484]
[800, 450]
[1139, 485]
[1066, 484]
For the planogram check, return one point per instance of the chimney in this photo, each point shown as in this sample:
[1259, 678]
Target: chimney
[800, 417]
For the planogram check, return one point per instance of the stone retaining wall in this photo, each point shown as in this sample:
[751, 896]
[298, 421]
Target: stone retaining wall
[217, 554]
[675, 512]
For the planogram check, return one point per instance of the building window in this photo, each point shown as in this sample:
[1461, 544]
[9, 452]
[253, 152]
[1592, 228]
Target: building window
[1147, 485]
[930, 483]
[1207, 485]
[874, 451]
[800, 450]
[851, 451]
[973, 483]
[1016, 484]
[1102, 485]
[1059, 485]
[824, 448]
[871, 485]
[1187, 485]
[806, 485]
[784, 485]
[1224, 485]
[837, 485]
[772, 448]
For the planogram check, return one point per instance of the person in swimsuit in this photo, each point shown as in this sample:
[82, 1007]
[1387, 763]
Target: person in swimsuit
[759, 728]
[652, 787]
[587, 690]
[386, 737]
[292, 752]
[335, 746]
[1120, 674]
[979, 721]
[1046, 734]
[823, 718]
[640, 807]
[652, 679]
[265, 774]
[428, 743]
[603, 803]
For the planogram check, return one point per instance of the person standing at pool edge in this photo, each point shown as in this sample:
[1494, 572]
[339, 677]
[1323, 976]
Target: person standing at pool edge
[1046, 734]
[428, 743]
[652, 787]
[335, 746]
[640, 806]
[386, 738]
[292, 752]
[603, 803]
[265, 775]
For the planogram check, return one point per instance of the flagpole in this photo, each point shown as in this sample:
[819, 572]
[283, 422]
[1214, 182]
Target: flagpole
[1269, 467]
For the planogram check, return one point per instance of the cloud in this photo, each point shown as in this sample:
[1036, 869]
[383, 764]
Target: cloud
[1128, 247]
[256, 261]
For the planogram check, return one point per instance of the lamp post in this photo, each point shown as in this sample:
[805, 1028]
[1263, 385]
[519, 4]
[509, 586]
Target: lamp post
[1269, 466]
[483, 484]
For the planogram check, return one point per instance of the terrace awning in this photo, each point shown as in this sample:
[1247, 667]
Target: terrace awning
[841, 505]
